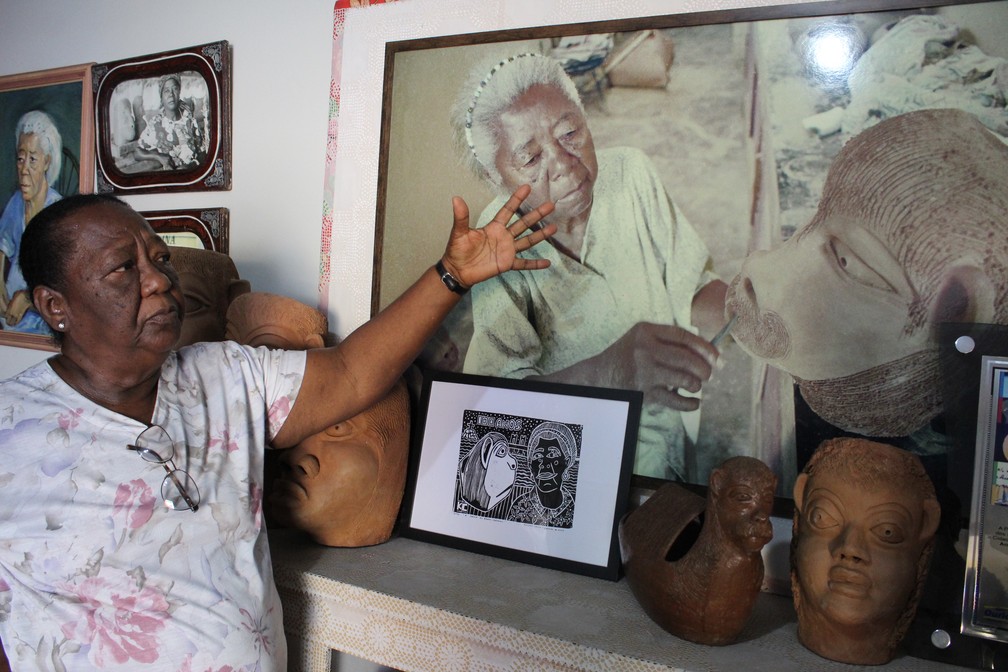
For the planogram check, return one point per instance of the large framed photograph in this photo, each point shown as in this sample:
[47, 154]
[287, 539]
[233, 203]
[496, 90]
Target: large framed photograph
[163, 121]
[985, 600]
[738, 164]
[531, 472]
[203, 228]
[47, 145]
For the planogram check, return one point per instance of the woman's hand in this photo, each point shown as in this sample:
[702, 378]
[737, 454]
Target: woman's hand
[474, 255]
[659, 360]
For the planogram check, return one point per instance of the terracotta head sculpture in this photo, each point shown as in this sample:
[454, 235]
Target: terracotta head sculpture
[343, 486]
[864, 525]
[910, 233]
[275, 321]
[210, 283]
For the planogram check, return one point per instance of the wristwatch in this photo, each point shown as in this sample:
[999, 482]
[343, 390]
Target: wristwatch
[449, 280]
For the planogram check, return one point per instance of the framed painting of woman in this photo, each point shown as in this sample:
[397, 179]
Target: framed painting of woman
[47, 150]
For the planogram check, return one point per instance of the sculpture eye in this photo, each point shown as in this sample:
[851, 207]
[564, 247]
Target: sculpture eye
[821, 519]
[889, 533]
[850, 264]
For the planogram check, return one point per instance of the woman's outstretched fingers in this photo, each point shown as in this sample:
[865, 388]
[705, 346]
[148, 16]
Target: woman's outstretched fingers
[509, 209]
[460, 212]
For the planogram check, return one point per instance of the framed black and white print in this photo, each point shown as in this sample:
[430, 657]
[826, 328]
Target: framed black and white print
[163, 121]
[532, 472]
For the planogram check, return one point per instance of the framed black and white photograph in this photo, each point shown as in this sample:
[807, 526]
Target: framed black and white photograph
[202, 228]
[163, 121]
[715, 155]
[538, 473]
[985, 600]
[47, 145]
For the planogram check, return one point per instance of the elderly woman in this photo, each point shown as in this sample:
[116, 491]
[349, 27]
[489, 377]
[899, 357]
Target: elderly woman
[629, 278]
[552, 452]
[131, 515]
[39, 158]
[172, 136]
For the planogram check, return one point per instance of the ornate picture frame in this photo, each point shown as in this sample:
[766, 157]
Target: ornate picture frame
[163, 121]
[206, 228]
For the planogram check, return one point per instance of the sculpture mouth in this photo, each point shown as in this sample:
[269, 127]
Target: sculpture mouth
[848, 582]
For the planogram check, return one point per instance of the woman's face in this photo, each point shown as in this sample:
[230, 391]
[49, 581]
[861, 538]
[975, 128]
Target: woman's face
[544, 141]
[830, 302]
[122, 300]
[170, 96]
[548, 463]
[32, 164]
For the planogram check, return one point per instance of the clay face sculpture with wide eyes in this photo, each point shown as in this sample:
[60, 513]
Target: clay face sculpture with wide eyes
[865, 518]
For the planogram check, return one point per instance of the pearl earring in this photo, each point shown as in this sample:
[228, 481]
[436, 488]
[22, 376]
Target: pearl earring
[61, 325]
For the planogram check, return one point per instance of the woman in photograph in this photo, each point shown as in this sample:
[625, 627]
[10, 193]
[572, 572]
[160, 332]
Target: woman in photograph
[39, 159]
[172, 136]
[630, 280]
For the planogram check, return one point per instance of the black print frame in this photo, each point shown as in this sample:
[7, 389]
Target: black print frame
[163, 121]
[985, 598]
[206, 228]
[532, 472]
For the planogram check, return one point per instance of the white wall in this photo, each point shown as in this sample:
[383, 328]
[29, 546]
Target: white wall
[282, 55]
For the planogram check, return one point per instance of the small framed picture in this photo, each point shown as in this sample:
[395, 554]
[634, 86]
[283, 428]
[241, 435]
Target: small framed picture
[528, 471]
[205, 228]
[163, 121]
[985, 600]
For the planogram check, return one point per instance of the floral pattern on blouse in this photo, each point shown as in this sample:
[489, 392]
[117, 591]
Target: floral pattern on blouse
[95, 572]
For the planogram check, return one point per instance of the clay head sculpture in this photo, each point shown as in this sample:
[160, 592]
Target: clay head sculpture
[909, 233]
[864, 525]
[275, 321]
[210, 283]
[343, 486]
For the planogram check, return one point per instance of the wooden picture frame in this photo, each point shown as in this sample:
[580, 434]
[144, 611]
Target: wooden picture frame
[775, 170]
[530, 472]
[205, 228]
[64, 95]
[140, 148]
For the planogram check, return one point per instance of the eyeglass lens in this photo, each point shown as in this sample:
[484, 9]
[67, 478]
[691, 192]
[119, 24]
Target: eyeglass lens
[178, 489]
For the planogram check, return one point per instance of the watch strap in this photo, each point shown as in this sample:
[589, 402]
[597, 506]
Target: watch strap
[449, 280]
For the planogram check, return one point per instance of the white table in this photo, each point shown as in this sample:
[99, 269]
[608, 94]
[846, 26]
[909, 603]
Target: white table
[413, 606]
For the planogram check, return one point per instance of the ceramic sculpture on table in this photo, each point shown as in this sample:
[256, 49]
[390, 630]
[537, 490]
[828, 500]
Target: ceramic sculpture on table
[695, 565]
[864, 525]
[342, 486]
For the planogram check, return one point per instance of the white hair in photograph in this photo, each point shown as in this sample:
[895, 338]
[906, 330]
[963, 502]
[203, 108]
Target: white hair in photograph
[492, 86]
[42, 125]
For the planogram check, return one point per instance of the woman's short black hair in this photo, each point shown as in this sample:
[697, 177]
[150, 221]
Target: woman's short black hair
[44, 245]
